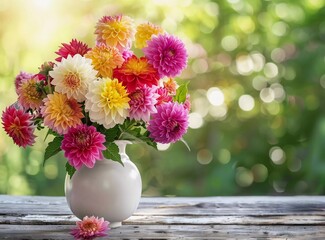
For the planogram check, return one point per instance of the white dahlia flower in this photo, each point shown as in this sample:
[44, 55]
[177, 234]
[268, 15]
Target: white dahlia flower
[72, 76]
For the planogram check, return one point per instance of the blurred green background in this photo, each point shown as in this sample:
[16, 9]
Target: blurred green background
[257, 82]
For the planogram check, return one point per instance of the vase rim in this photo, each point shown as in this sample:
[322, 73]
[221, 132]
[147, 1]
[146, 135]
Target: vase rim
[123, 141]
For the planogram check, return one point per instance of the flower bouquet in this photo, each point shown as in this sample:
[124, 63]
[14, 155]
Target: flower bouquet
[90, 97]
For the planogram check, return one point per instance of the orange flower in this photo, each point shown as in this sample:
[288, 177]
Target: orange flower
[117, 31]
[30, 94]
[61, 113]
[105, 59]
[171, 86]
[144, 33]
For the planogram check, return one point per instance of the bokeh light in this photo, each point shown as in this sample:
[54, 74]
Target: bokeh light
[195, 120]
[277, 155]
[215, 96]
[246, 102]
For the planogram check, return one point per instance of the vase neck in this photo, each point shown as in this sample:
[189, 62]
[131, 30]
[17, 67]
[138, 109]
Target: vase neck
[122, 145]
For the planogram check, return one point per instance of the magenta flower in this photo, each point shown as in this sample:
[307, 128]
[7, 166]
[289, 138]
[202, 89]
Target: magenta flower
[19, 126]
[20, 77]
[83, 145]
[167, 54]
[169, 124]
[90, 228]
[142, 103]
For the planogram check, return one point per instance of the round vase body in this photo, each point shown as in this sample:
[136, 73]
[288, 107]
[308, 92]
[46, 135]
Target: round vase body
[107, 190]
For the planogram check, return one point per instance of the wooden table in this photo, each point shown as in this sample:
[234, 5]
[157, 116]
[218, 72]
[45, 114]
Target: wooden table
[28, 217]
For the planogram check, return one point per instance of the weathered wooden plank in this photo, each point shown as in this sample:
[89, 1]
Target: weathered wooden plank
[178, 200]
[169, 218]
[226, 220]
[180, 206]
[35, 219]
[169, 232]
[174, 210]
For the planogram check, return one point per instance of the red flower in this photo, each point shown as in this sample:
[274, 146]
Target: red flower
[73, 48]
[19, 126]
[136, 72]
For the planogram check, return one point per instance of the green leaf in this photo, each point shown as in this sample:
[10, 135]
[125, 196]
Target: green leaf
[181, 93]
[52, 148]
[111, 134]
[50, 131]
[70, 169]
[138, 134]
[150, 142]
[112, 152]
[146, 139]
[186, 144]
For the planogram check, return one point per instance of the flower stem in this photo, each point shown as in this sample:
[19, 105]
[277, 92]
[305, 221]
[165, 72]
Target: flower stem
[48, 83]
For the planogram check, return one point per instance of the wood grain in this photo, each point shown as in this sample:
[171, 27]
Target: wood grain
[302, 217]
[170, 232]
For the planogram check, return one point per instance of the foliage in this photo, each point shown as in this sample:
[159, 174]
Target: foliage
[256, 76]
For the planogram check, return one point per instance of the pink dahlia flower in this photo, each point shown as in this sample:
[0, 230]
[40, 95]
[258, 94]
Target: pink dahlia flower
[163, 96]
[187, 103]
[90, 228]
[83, 145]
[73, 48]
[19, 126]
[127, 53]
[167, 54]
[20, 77]
[142, 103]
[169, 124]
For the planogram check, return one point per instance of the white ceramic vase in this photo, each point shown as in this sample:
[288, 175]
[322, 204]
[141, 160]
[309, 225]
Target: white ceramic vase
[107, 190]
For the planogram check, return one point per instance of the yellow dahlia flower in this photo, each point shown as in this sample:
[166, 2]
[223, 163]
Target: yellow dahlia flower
[105, 59]
[107, 102]
[144, 33]
[72, 76]
[117, 31]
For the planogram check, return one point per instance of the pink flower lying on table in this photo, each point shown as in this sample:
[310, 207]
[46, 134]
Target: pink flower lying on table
[90, 228]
